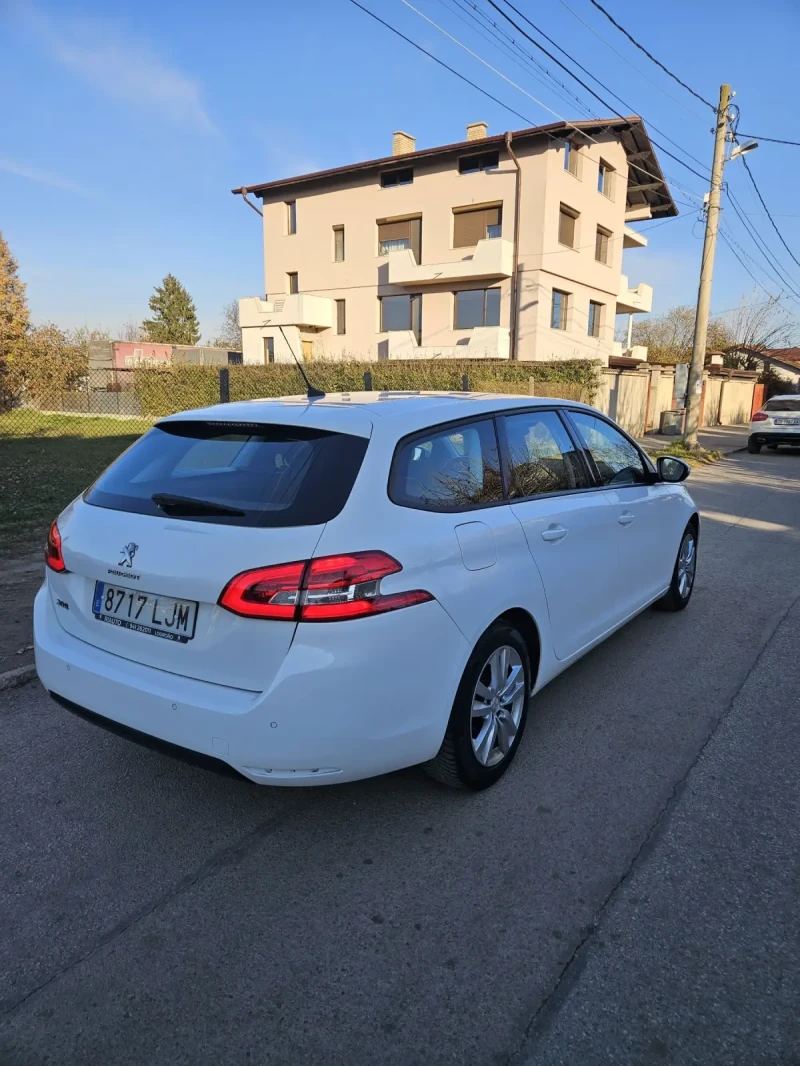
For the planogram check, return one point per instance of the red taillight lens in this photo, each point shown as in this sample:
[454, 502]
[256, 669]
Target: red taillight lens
[269, 592]
[52, 551]
[759, 416]
[331, 589]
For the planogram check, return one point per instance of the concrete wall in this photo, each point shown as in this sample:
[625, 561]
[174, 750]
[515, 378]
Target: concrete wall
[358, 202]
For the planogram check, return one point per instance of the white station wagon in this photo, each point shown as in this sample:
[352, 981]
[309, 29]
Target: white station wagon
[314, 591]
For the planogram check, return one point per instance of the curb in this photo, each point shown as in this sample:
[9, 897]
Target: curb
[21, 675]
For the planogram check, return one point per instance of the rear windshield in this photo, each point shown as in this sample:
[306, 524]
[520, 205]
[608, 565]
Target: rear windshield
[233, 473]
[783, 405]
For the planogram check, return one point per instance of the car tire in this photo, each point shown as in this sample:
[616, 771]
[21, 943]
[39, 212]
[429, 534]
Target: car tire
[472, 754]
[683, 575]
[753, 447]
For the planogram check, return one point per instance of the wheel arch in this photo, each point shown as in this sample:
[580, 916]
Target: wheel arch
[524, 622]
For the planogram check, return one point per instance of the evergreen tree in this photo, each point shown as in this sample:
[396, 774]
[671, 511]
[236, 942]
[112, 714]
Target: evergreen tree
[174, 316]
[14, 323]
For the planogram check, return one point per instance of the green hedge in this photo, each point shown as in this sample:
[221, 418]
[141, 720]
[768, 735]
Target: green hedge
[181, 387]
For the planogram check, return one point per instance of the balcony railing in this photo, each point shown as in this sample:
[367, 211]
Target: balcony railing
[492, 258]
[484, 342]
[296, 309]
[634, 301]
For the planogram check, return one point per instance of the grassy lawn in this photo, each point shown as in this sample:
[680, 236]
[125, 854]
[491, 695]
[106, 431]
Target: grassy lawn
[46, 461]
[698, 457]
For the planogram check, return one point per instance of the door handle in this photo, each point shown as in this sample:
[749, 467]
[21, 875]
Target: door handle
[626, 518]
[553, 533]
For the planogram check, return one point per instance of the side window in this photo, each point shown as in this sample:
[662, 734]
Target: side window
[450, 469]
[616, 459]
[542, 457]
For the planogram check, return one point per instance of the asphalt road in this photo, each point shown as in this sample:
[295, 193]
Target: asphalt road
[627, 894]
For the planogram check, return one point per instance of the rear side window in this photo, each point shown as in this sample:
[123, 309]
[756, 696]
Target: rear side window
[233, 473]
[617, 460]
[541, 455]
[782, 405]
[449, 469]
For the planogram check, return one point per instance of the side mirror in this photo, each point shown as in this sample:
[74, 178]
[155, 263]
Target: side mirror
[672, 469]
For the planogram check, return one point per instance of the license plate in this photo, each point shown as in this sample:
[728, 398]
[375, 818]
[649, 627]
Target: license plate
[145, 612]
[787, 421]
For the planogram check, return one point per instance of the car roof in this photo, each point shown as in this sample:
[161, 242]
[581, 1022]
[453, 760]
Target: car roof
[784, 396]
[357, 412]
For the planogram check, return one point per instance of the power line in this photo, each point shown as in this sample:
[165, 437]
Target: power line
[605, 103]
[441, 63]
[633, 66]
[651, 57]
[742, 263]
[760, 243]
[769, 216]
[773, 140]
[517, 56]
[585, 70]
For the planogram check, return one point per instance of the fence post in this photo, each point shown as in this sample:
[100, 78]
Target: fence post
[368, 381]
[224, 385]
[465, 383]
[531, 386]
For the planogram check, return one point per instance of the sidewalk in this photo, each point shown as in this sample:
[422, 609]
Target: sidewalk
[725, 439]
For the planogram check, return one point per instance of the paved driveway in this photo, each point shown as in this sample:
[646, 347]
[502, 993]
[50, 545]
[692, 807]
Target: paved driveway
[623, 896]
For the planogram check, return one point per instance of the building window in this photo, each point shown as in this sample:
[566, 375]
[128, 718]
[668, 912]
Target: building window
[477, 307]
[397, 177]
[269, 349]
[474, 224]
[402, 312]
[291, 216]
[605, 179]
[595, 318]
[472, 164]
[406, 233]
[559, 309]
[601, 245]
[567, 220]
[571, 158]
[340, 317]
[338, 244]
[294, 285]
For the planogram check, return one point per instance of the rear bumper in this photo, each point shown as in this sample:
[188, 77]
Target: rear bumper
[351, 700]
[776, 436]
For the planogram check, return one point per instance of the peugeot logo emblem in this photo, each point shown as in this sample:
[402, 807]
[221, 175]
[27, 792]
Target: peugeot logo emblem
[128, 553]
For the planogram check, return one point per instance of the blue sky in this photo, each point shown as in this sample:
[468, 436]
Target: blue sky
[130, 122]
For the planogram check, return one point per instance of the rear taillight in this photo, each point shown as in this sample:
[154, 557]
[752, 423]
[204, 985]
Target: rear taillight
[52, 551]
[760, 416]
[330, 589]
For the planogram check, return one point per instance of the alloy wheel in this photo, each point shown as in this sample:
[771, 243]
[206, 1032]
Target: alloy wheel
[497, 705]
[687, 563]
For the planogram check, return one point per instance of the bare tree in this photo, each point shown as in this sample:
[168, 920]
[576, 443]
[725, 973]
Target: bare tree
[669, 337]
[131, 331]
[230, 332]
[763, 324]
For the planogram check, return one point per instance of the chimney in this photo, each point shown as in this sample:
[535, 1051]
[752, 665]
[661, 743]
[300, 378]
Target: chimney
[476, 131]
[403, 143]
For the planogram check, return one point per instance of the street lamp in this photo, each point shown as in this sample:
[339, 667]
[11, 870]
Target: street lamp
[743, 149]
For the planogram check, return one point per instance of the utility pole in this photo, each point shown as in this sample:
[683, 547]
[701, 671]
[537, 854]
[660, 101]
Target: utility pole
[706, 273]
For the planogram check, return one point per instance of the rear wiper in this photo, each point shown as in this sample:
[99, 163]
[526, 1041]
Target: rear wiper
[187, 505]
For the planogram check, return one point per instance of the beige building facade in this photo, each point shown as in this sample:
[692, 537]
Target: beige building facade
[507, 246]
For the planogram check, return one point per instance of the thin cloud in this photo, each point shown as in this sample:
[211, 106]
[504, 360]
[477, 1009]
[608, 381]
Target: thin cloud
[105, 55]
[22, 170]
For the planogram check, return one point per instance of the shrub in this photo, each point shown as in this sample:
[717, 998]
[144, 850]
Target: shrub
[182, 387]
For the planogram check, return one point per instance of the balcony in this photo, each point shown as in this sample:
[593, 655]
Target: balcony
[493, 258]
[297, 309]
[636, 351]
[634, 301]
[631, 238]
[485, 342]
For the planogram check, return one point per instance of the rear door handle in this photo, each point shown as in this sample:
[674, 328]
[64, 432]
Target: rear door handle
[554, 533]
[626, 518]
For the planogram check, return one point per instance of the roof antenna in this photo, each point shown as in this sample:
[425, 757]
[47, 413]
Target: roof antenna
[311, 392]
